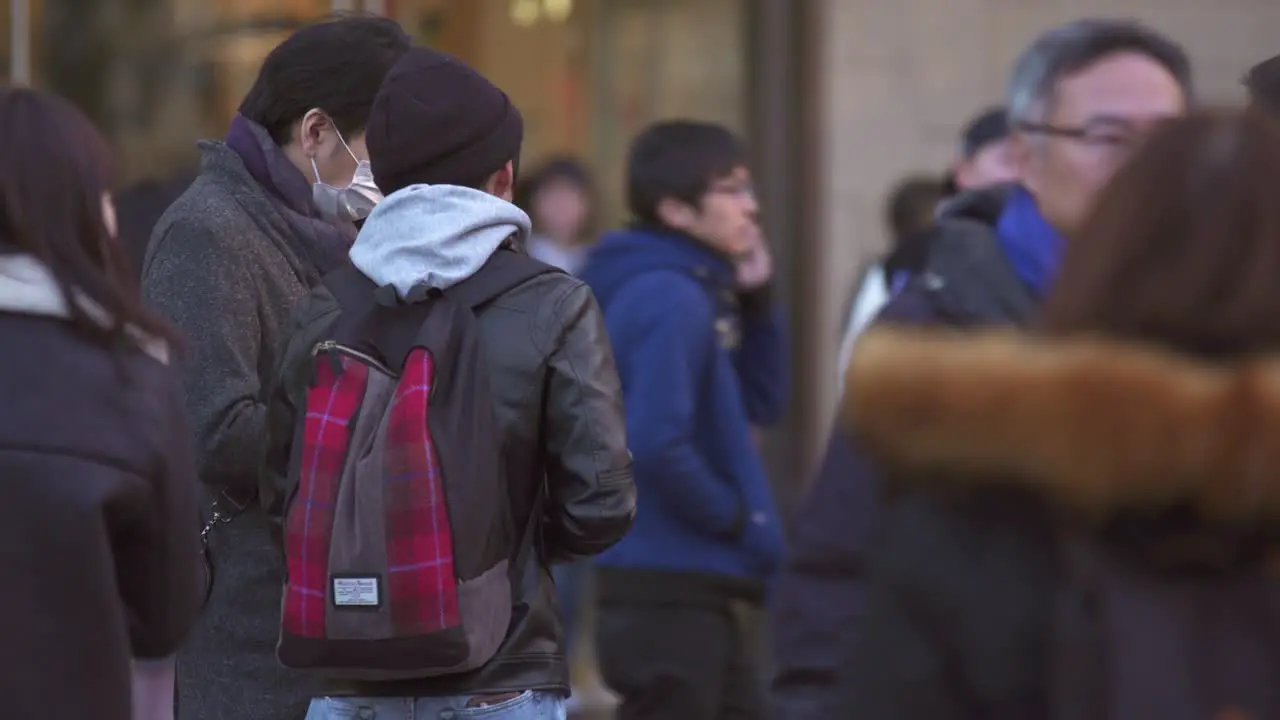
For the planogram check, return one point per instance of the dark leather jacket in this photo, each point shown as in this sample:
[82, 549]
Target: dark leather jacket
[559, 402]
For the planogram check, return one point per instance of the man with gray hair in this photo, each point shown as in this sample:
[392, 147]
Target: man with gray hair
[1079, 98]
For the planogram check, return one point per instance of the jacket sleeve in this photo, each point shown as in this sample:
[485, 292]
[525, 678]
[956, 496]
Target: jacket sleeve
[666, 325]
[163, 580]
[763, 370]
[198, 281]
[821, 594]
[589, 479]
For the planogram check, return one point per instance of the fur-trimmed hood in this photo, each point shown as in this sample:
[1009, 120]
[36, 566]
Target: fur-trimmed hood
[1097, 427]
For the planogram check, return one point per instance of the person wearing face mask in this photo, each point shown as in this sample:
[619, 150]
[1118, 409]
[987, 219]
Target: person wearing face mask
[272, 210]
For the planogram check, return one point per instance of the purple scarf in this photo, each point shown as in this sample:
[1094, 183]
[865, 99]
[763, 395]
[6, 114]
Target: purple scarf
[318, 242]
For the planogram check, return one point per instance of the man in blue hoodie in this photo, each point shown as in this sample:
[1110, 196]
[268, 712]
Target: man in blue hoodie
[701, 354]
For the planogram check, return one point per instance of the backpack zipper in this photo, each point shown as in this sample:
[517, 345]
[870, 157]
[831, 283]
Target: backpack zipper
[331, 346]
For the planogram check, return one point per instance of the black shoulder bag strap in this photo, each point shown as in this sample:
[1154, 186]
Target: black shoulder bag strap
[505, 270]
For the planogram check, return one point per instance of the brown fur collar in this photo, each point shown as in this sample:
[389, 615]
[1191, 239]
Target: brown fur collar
[1096, 426]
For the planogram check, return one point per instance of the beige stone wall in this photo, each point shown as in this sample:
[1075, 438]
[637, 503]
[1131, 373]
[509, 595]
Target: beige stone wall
[901, 75]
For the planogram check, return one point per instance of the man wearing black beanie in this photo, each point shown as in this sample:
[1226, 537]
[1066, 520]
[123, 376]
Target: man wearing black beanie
[443, 143]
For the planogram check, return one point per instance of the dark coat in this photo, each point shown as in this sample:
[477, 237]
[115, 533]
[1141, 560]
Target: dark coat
[99, 526]
[966, 282]
[222, 268]
[992, 443]
[559, 404]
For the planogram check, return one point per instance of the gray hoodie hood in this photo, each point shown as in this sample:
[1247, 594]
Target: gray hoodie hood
[434, 234]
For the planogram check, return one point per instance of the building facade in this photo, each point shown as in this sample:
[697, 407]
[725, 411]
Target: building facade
[897, 78]
[840, 97]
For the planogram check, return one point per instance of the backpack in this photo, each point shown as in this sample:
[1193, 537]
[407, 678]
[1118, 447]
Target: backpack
[400, 551]
[1134, 641]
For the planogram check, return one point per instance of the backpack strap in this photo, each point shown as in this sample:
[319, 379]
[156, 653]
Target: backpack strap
[505, 270]
[351, 289]
[374, 320]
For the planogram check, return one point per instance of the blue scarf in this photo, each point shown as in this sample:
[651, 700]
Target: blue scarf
[1032, 245]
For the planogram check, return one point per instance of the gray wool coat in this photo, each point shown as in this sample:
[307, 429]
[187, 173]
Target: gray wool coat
[221, 268]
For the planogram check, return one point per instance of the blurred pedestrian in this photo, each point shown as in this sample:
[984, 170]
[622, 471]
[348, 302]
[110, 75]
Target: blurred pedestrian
[1080, 99]
[687, 294]
[559, 198]
[909, 217]
[139, 208]
[987, 155]
[99, 541]
[1124, 456]
[271, 211]
[539, 402]
[1263, 83]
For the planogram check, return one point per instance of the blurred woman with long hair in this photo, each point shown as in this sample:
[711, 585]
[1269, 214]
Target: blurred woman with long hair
[99, 532]
[1085, 522]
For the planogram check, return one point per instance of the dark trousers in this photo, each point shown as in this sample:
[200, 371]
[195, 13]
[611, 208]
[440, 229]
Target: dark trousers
[679, 662]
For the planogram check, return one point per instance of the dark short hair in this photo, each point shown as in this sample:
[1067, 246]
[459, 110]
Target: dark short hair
[986, 128]
[679, 160]
[1263, 82]
[911, 204]
[1182, 249]
[1069, 49]
[558, 169]
[336, 65]
[55, 168]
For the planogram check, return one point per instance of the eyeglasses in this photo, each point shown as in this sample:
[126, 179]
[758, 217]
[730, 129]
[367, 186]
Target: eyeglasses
[1109, 135]
[735, 189]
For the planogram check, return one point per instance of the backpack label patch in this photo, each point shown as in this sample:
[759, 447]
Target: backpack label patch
[353, 591]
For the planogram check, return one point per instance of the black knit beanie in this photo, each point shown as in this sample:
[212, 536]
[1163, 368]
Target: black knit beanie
[437, 121]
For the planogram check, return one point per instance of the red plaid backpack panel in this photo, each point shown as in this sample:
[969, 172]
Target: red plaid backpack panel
[332, 403]
[422, 583]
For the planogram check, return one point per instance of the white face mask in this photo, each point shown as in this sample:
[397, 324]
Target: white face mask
[351, 203]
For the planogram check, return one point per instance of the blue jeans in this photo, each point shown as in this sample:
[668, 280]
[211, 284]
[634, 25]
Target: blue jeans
[529, 705]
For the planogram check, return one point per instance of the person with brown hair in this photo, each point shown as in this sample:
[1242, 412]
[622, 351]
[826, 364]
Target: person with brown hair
[1080, 97]
[99, 540]
[1040, 480]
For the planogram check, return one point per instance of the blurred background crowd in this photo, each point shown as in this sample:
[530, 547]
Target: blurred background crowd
[865, 119]
[840, 98]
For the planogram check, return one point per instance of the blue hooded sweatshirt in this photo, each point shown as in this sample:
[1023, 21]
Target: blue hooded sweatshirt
[698, 369]
[1032, 245]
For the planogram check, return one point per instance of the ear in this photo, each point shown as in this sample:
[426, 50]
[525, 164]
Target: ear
[311, 131]
[503, 182]
[676, 214]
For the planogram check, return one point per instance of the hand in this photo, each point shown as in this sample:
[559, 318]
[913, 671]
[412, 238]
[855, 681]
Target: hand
[755, 268]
